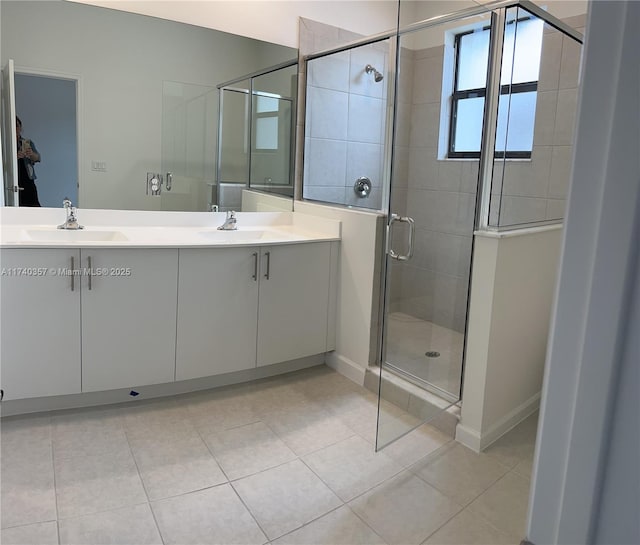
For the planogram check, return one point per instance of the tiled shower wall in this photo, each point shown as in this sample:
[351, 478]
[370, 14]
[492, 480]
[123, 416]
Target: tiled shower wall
[535, 190]
[345, 126]
[440, 194]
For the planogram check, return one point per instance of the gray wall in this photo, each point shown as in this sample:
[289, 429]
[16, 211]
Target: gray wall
[122, 60]
[618, 522]
[585, 484]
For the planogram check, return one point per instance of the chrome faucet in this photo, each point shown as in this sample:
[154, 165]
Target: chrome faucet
[230, 224]
[72, 220]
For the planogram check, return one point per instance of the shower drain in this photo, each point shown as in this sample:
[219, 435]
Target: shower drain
[432, 354]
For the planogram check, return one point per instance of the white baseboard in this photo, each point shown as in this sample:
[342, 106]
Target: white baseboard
[346, 367]
[480, 440]
[468, 437]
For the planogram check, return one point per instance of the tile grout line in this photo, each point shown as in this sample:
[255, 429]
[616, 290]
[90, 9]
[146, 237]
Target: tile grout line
[55, 487]
[464, 505]
[346, 503]
[311, 521]
[443, 524]
[133, 456]
[402, 468]
[250, 512]
[230, 483]
[365, 522]
[491, 524]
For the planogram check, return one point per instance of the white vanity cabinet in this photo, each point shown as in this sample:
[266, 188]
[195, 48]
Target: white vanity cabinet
[128, 317]
[243, 307]
[81, 319]
[217, 311]
[40, 352]
[294, 301]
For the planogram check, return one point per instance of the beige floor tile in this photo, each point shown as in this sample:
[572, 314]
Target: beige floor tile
[215, 411]
[275, 394]
[505, 504]
[286, 497]
[351, 467]
[459, 472]
[517, 445]
[339, 527]
[89, 484]
[43, 533]
[469, 529]
[176, 463]
[22, 435]
[27, 488]
[213, 516]
[336, 393]
[125, 526]
[345, 399]
[307, 429]
[393, 422]
[153, 417]
[405, 509]
[362, 420]
[88, 432]
[316, 413]
[417, 444]
[525, 466]
[248, 449]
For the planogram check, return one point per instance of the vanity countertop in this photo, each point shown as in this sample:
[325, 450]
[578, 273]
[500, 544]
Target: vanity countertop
[127, 229]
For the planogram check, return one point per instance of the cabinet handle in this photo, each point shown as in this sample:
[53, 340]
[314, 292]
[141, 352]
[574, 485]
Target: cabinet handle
[90, 275]
[268, 256]
[73, 276]
[255, 266]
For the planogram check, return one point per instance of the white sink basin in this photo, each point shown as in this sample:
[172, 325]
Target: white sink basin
[69, 235]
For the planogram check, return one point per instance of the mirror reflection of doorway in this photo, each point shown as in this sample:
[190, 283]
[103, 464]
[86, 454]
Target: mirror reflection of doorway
[47, 107]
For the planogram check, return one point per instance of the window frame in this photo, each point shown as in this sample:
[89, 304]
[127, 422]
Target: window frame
[481, 92]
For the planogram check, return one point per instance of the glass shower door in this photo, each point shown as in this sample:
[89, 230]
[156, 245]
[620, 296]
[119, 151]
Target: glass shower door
[189, 125]
[430, 225]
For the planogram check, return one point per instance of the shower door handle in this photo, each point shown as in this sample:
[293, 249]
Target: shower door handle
[412, 236]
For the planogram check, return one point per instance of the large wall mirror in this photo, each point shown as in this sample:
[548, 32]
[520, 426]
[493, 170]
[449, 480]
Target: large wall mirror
[109, 96]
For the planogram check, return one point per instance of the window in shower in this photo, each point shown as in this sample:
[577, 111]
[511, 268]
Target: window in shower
[266, 122]
[519, 81]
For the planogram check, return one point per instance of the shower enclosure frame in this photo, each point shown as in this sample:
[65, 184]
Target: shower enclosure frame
[250, 92]
[498, 13]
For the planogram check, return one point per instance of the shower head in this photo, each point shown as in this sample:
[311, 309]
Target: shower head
[377, 76]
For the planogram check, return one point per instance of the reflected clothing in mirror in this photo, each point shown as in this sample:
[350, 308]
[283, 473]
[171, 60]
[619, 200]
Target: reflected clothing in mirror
[27, 174]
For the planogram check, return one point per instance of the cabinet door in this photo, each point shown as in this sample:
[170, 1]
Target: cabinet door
[40, 320]
[217, 311]
[293, 303]
[128, 317]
